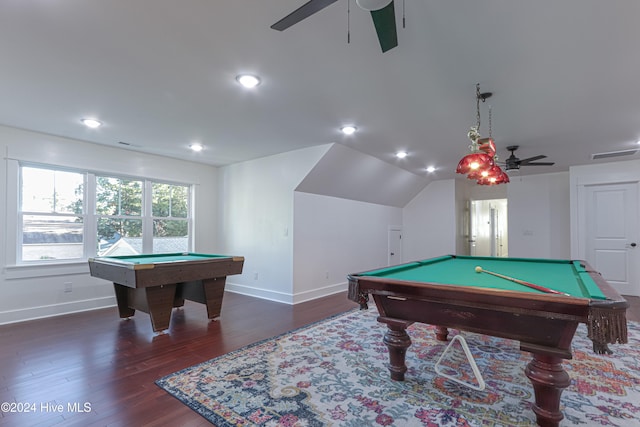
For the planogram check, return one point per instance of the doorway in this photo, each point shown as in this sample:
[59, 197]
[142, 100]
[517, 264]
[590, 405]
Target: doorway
[395, 245]
[488, 234]
[611, 239]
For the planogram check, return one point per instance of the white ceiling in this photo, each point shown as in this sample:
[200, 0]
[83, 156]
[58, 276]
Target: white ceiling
[160, 75]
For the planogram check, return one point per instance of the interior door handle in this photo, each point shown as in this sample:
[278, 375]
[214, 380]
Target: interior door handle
[633, 245]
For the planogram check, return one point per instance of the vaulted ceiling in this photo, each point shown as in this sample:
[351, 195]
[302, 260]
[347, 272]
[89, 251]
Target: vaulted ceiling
[160, 75]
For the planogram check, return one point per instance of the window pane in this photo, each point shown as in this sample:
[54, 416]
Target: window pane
[119, 236]
[170, 200]
[170, 236]
[116, 196]
[161, 199]
[180, 201]
[51, 237]
[49, 191]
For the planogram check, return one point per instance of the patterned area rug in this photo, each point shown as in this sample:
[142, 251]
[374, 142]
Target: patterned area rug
[333, 373]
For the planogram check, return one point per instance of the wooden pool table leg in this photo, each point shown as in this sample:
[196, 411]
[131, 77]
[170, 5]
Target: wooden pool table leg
[214, 292]
[442, 333]
[122, 298]
[159, 300]
[397, 341]
[549, 379]
[208, 292]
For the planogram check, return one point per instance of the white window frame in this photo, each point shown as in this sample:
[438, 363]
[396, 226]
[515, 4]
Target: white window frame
[17, 268]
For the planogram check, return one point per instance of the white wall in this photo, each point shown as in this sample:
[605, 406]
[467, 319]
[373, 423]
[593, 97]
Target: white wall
[297, 245]
[334, 237]
[256, 220]
[538, 213]
[429, 222]
[32, 292]
[538, 210]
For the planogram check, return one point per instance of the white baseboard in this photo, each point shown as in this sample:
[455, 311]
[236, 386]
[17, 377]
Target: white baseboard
[320, 292]
[285, 297]
[32, 313]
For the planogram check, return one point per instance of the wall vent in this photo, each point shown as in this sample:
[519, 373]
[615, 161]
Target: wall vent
[613, 154]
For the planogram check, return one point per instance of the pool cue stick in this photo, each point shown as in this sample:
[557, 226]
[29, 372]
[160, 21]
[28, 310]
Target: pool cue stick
[521, 282]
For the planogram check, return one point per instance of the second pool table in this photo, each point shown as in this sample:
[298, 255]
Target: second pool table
[156, 283]
[448, 292]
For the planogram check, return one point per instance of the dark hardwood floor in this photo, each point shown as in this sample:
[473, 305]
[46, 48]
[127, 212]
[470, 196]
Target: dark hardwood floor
[111, 364]
[96, 357]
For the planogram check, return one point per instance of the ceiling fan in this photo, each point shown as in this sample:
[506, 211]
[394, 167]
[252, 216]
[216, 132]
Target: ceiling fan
[382, 13]
[512, 162]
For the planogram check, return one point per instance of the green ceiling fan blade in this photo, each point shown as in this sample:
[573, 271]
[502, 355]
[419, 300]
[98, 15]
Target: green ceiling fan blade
[385, 22]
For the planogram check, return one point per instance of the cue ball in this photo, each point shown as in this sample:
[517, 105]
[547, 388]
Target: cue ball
[478, 269]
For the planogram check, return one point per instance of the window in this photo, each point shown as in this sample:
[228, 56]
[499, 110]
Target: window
[170, 208]
[52, 214]
[119, 215]
[71, 215]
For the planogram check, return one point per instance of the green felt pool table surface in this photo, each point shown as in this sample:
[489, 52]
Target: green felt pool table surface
[146, 259]
[566, 276]
[449, 293]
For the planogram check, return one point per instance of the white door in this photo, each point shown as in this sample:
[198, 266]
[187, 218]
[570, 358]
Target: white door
[612, 217]
[395, 246]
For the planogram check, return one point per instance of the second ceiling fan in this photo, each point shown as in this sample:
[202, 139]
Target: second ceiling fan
[382, 14]
[512, 162]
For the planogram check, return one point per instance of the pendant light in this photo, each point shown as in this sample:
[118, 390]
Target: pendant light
[494, 175]
[480, 164]
[479, 160]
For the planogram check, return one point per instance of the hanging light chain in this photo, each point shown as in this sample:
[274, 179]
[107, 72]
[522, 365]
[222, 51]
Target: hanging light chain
[478, 106]
[490, 122]
[348, 21]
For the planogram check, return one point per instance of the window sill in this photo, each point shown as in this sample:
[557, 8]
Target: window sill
[27, 271]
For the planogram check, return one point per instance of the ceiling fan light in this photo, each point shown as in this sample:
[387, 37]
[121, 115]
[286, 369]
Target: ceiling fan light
[372, 4]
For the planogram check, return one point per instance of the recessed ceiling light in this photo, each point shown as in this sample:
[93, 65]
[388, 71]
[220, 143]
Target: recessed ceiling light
[349, 129]
[431, 169]
[401, 154]
[247, 80]
[196, 147]
[91, 123]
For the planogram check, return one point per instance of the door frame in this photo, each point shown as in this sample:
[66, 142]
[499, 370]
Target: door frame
[392, 229]
[581, 177]
[495, 214]
[611, 173]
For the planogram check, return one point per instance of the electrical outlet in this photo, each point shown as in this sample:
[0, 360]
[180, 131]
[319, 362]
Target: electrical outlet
[255, 276]
[68, 287]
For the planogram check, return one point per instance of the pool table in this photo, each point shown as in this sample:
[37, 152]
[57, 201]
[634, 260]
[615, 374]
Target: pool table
[156, 283]
[448, 292]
